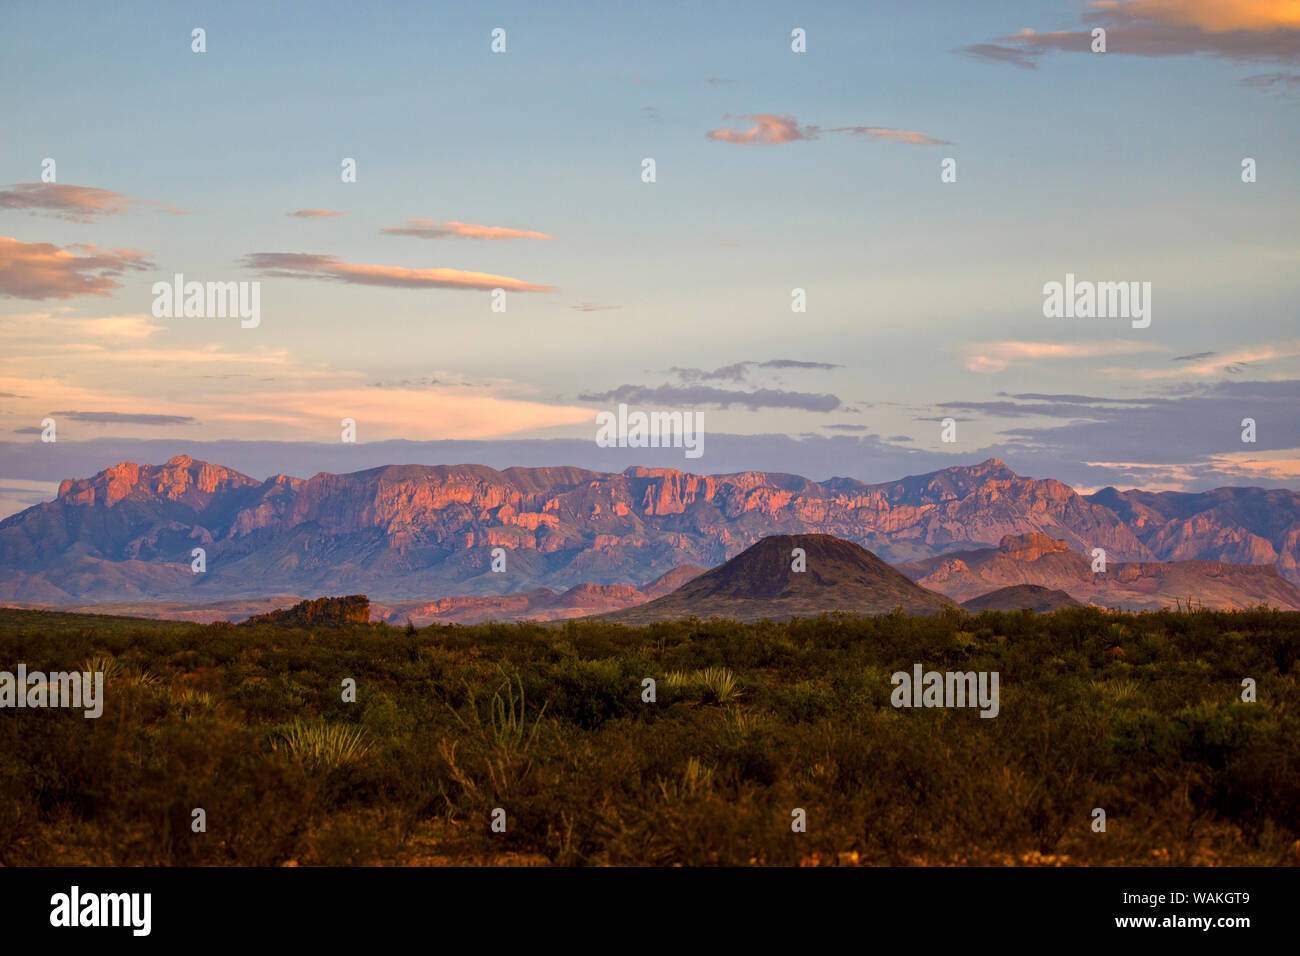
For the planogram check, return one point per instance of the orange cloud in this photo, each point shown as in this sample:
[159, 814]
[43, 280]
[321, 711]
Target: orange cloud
[42, 270]
[73, 203]
[428, 229]
[315, 213]
[299, 265]
[768, 130]
[1242, 30]
[1212, 16]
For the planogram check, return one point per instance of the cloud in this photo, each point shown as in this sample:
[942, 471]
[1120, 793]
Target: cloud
[1085, 408]
[1284, 84]
[768, 130]
[1211, 16]
[1215, 363]
[997, 356]
[847, 428]
[795, 363]
[729, 242]
[315, 213]
[692, 395]
[428, 229]
[42, 270]
[999, 53]
[124, 418]
[738, 371]
[1240, 30]
[593, 307]
[299, 265]
[73, 203]
[771, 130]
[1195, 356]
[885, 134]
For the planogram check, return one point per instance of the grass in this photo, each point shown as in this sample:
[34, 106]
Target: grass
[750, 722]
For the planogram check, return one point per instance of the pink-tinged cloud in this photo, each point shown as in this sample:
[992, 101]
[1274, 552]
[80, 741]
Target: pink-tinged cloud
[887, 135]
[997, 356]
[42, 270]
[428, 229]
[73, 203]
[299, 265]
[315, 213]
[768, 130]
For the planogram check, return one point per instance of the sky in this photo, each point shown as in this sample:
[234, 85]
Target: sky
[774, 170]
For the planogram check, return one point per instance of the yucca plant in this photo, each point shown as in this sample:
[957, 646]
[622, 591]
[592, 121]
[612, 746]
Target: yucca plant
[193, 703]
[499, 741]
[720, 685]
[506, 727]
[320, 745]
[678, 682]
[696, 778]
[105, 663]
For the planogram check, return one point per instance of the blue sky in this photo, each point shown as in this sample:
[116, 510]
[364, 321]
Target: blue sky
[927, 296]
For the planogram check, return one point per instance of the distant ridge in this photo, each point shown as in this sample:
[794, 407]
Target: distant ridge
[426, 532]
[760, 583]
[1037, 559]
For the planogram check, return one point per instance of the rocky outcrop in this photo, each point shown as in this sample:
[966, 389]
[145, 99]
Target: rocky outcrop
[322, 612]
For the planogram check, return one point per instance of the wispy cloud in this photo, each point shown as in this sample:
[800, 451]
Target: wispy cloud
[737, 371]
[299, 265]
[1001, 53]
[124, 418]
[429, 229]
[771, 130]
[887, 135]
[691, 395]
[74, 203]
[592, 307]
[1283, 84]
[998, 356]
[42, 270]
[315, 213]
[1217, 363]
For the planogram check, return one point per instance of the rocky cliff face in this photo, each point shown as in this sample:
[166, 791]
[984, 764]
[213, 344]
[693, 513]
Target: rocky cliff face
[1022, 561]
[425, 532]
[1237, 525]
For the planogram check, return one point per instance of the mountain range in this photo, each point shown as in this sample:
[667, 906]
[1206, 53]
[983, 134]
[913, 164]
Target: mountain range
[418, 533]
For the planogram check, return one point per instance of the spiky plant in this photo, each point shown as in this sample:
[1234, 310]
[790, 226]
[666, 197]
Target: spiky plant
[320, 745]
